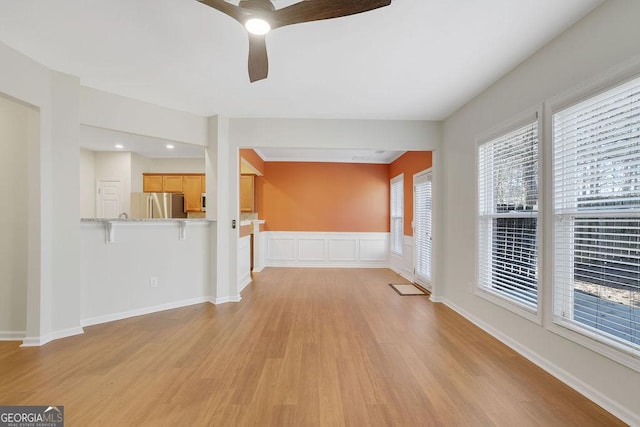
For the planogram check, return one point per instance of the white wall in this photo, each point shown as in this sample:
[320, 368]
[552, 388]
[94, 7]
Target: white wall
[348, 134]
[607, 37]
[87, 184]
[139, 165]
[176, 165]
[110, 111]
[115, 165]
[116, 277]
[63, 195]
[14, 130]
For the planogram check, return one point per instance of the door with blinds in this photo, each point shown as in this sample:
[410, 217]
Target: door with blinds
[422, 227]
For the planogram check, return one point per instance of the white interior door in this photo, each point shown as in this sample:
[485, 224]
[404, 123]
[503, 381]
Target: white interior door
[108, 198]
[422, 214]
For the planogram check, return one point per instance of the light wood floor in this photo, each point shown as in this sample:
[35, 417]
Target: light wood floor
[305, 347]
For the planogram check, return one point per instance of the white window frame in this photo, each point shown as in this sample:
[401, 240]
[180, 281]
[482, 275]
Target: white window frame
[394, 229]
[533, 314]
[583, 336]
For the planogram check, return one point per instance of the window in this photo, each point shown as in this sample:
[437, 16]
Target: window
[596, 192]
[397, 214]
[508, 217]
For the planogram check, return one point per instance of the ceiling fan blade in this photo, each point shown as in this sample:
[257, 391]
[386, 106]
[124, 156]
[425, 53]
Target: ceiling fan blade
[236, 12]
[258, 60]
[315, 10]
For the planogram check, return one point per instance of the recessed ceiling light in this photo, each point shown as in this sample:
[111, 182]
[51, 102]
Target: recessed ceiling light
[119, 146]
[257, 26]
[170, 147]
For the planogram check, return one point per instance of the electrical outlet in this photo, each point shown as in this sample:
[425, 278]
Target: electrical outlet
[153, 282]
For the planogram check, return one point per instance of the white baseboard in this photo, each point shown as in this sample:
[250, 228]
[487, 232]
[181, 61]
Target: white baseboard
[626, 415]
[51, 336]
[12, 335]
[141, 311]
[224, 300]
[244, 281]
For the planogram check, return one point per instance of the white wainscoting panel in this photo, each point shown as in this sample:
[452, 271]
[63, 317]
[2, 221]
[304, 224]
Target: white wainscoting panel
[319, 249]
[403, 265]
[343, 249]
[244, 262]
[280, 248]
[374, 249]
[311, 250]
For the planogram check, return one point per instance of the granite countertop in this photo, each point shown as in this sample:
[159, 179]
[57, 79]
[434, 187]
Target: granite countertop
[145, 220]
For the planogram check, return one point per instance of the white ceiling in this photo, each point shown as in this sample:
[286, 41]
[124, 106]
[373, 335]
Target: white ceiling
[414, 60]
[98, 139]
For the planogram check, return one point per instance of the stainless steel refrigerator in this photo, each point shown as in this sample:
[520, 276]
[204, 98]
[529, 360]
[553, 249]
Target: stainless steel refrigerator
[157, 205]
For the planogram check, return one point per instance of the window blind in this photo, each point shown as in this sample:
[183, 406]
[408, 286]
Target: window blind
[397, 214]
[597, 216]
[508, 215]
[422, 230]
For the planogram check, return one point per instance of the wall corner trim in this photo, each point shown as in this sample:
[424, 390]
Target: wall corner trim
[52, 336]
[224, 300]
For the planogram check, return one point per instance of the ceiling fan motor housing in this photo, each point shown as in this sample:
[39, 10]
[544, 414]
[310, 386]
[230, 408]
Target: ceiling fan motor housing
[257, 5]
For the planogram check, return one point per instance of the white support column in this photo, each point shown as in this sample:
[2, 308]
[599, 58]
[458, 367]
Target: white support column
[222, 166]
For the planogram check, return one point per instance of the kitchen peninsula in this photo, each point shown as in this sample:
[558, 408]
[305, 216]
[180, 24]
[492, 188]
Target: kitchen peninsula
[110, 223]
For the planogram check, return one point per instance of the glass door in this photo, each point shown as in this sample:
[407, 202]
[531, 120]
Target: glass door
[422, 227]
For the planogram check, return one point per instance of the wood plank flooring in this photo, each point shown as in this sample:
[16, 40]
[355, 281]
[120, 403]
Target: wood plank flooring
[304, 347]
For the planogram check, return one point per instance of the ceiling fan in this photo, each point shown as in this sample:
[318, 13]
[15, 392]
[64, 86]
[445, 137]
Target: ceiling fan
[260, 16]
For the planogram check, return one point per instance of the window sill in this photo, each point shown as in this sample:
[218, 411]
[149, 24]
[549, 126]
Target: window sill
[522, 310]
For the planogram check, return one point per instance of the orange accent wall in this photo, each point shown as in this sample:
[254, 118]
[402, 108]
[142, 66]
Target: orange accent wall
[252, 157]
[338, 197]
[410, 163]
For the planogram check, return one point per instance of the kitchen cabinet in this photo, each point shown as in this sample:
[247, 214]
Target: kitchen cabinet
[172, 184]
[246, 193]
[192, 188]
[152, 183]
[192, 185]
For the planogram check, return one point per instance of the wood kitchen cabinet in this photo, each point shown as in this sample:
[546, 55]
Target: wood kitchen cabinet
[191, 185]
[246, 193]
[192, 188]
[172, 183]
[152, 183]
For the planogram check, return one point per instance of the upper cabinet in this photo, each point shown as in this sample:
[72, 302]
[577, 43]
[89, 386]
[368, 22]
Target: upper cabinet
[172, 183]
[152, 183]
[246, 193]
[192, 185]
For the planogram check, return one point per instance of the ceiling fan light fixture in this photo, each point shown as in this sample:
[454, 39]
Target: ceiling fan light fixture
[257, 26]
